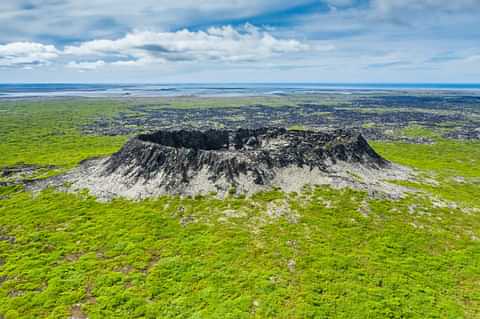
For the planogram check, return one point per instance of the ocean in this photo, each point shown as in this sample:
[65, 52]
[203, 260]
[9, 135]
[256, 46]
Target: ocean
[212, 89]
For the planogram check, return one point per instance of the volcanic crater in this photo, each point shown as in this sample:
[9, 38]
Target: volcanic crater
[243, 161]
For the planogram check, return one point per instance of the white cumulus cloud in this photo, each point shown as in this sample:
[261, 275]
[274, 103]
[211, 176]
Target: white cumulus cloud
[26, 54]
[225, 44]
[141, 48]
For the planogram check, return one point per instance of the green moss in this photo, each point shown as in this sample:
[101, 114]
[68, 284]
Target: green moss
[344, 255]
[47, 133]
[136, 259]
[444, 157]
[297, 127]
[453, 164]
[419, 131]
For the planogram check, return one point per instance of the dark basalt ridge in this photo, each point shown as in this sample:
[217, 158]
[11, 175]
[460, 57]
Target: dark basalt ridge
[243, 161]
[227, 155]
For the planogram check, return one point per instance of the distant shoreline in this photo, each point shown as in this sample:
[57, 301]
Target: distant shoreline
[31, 90]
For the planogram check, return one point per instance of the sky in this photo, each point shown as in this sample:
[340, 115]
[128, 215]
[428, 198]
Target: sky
[165, 41]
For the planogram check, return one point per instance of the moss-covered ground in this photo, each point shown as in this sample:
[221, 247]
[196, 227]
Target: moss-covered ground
[322, 253]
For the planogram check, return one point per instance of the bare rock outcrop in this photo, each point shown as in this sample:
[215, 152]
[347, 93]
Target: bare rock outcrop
[189, 162]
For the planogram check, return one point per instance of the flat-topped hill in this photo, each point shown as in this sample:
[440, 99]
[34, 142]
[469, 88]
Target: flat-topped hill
[190, 162]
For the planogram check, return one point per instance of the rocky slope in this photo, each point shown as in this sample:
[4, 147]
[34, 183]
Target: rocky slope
[244, 161]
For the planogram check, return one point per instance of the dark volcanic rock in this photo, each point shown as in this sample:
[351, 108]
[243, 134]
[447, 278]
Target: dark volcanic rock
[9, 239]
[21, 174]
[464, 134]
[22, 169]
[225, 155]
[190, 162]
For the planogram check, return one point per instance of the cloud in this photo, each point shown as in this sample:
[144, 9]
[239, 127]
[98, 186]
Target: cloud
[84, 66]
[65, 20]
[473, 58]
[354, 39]
[26, 54]
[223, 44]
[425, 13]
[140, 48]
[444, 57]
[340, 3]
[388, 64]
[391, 6]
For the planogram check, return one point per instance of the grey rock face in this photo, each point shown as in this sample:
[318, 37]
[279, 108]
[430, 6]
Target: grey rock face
[227, 155]
[245, 161]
